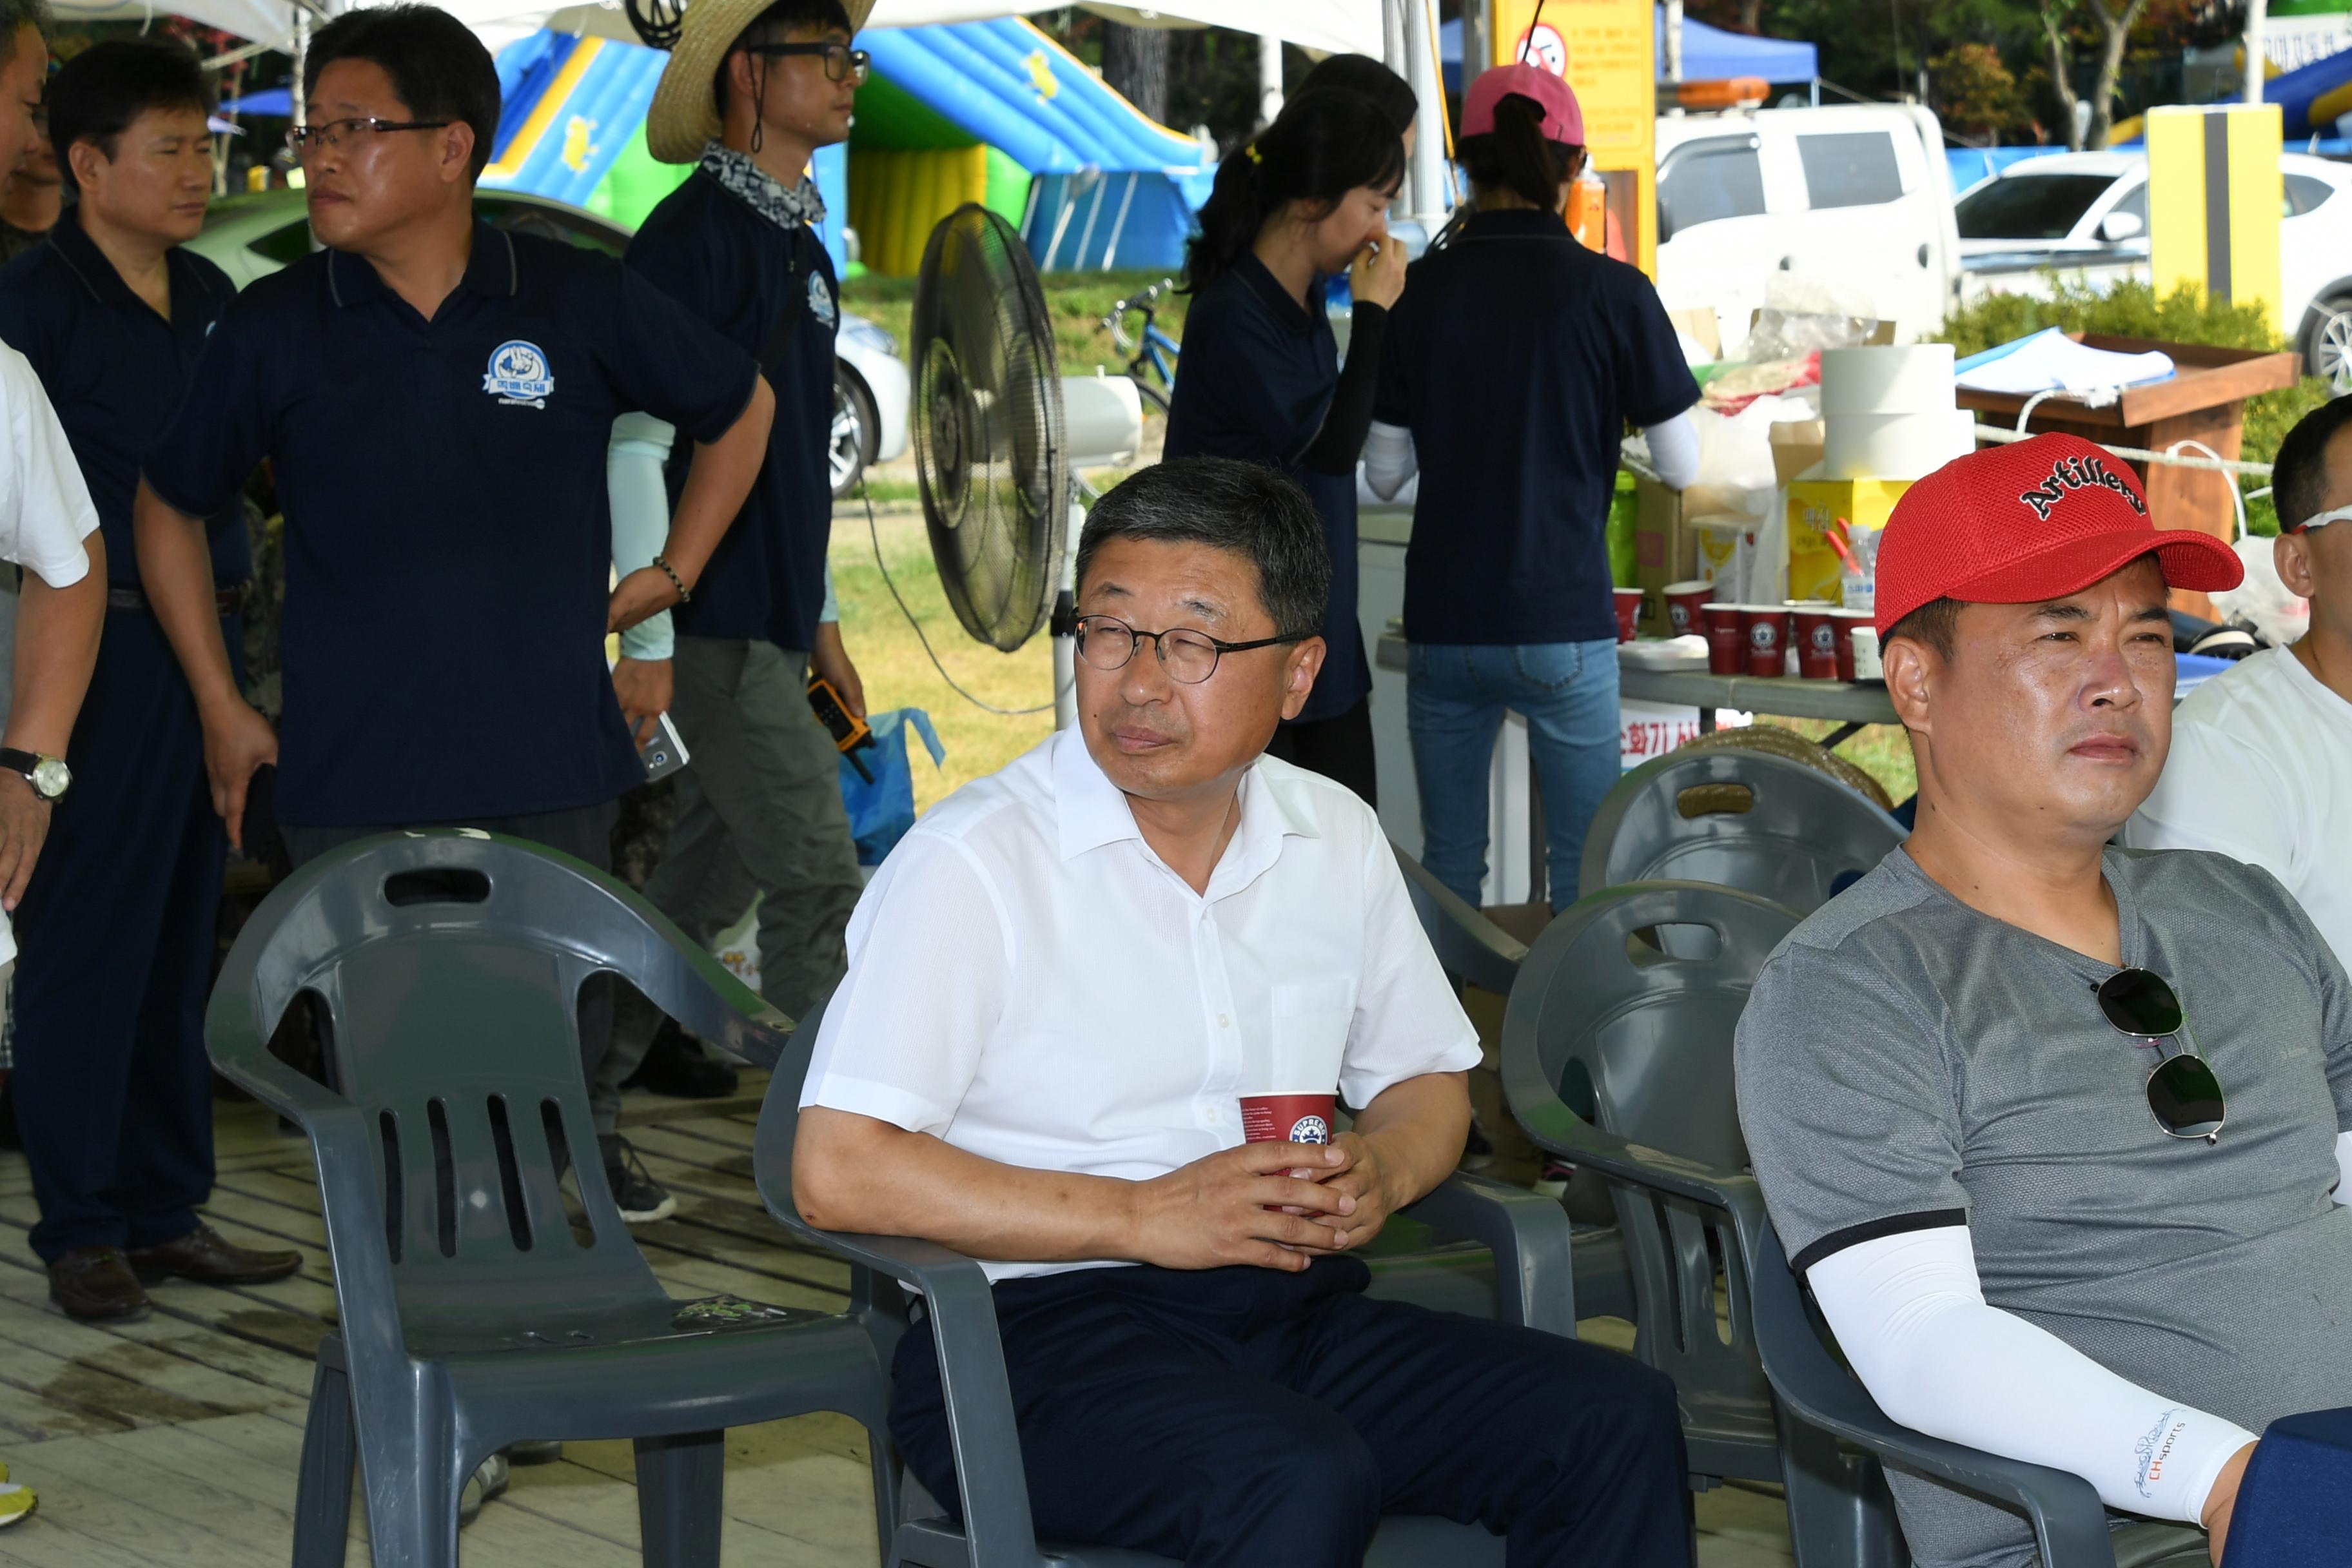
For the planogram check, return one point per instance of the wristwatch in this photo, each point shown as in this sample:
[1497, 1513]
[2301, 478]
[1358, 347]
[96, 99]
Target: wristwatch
[50, 776]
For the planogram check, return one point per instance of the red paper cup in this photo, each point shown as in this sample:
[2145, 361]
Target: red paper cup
[1842, 625]
[1288, 1117]
[1817, 641]
[1629, 610]
[1685, 604]
[1764, 632]
[1727, 644]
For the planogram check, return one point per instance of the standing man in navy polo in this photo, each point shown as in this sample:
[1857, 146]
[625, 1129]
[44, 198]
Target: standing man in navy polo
[437, 396]
[753, 88]
[112, 1090]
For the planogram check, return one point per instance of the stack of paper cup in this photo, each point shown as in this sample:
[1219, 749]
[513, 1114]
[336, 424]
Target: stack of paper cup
[1890, 413]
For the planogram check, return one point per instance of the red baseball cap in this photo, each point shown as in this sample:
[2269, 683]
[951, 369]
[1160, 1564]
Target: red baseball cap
[2038, 519]
[1562, 120]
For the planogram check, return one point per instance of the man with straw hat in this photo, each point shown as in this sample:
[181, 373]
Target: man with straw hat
[752, 90]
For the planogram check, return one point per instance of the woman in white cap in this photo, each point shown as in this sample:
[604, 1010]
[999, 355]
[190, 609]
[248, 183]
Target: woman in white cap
[1515, 361]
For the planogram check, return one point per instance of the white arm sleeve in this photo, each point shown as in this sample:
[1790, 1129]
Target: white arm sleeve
[2342, 1193]
[640, 502]
[1912, 1319]
[1389, 458]
[1673, 451]
[830, 611]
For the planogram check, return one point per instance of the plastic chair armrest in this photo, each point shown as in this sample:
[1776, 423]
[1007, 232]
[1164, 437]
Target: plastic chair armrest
[1535, 1278]
[1557, 1129]
[1467, 943]
[989, 1478]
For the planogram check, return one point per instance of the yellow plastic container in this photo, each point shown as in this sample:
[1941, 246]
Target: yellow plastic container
[1814, 568]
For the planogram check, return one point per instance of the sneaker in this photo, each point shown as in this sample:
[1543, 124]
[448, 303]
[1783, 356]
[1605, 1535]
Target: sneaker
[676, 1065]
[489, 1480]
[1553, 1183]
[641, 1199]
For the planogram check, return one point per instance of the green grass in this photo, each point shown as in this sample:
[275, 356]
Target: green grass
[1077, 302]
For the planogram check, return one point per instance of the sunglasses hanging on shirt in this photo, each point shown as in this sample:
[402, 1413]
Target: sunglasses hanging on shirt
[2182, 1092]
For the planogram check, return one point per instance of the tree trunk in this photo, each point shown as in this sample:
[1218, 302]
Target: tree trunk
[2111, 66]
[2057, 39]
[1751, 16]
[1135, 65]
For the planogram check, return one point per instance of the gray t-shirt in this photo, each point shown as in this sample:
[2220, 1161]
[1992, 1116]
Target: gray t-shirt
[1906, 1062]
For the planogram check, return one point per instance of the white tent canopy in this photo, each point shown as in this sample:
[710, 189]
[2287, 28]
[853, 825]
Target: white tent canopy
[1340, 26]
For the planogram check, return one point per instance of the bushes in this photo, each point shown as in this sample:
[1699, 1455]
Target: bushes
[2132, 309]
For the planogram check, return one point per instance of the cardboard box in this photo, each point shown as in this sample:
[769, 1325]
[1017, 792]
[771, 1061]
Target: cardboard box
[1663, 551]
[1814, 568]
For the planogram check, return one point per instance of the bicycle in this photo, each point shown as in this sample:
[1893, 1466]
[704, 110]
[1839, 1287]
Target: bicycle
[1154, 351]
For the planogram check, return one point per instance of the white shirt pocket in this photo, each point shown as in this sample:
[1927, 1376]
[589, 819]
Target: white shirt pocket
[1310, 1034]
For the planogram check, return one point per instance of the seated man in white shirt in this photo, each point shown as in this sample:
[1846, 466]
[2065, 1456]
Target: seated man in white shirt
[1059, 985]
[2262, 754]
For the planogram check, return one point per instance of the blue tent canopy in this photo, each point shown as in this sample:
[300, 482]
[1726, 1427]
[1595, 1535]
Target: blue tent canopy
[1709, 54]
[268, 100]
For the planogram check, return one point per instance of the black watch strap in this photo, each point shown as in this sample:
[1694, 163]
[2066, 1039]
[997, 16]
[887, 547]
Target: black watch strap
[25, 764]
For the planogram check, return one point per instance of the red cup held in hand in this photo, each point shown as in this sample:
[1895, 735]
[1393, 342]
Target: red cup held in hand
[1288, 1118]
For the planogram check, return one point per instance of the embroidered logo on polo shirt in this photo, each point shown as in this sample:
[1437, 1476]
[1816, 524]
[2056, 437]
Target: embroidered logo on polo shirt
[518, 375]
[821, 300]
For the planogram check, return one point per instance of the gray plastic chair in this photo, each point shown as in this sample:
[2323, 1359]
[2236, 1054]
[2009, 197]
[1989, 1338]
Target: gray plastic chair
[1528, 1234]
[1624, 1017]
[1471, 947]
[2071, 1527]
[1738, 819]
[473, 1315]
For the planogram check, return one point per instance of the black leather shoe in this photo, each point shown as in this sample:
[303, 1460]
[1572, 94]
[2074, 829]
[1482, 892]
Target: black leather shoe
[95, 1285]
[205, 1257]
[676, 1065]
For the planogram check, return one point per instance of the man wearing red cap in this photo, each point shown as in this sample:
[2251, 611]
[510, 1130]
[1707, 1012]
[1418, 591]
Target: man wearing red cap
[2262, 754]
[2053, 1128]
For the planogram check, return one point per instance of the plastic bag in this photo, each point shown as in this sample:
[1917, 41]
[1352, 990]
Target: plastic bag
[882, 809]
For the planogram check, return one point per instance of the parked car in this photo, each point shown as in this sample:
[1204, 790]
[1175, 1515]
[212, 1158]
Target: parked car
[2084, 214]
[1856, 195]
[249, 238]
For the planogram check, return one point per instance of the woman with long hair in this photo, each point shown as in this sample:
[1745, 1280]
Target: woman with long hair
[1513, 367]
[1261, 378]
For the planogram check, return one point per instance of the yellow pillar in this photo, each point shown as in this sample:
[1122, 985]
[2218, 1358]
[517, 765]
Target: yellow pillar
[2213, 202]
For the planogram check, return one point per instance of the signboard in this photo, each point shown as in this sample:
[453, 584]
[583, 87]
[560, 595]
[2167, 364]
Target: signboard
[1608, 51]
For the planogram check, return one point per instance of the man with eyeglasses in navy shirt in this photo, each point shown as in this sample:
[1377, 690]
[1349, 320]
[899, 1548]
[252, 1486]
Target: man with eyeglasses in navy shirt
[437, 396]
[113, 1092]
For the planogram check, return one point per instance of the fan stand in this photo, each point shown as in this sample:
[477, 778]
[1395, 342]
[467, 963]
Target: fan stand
[1065, 622]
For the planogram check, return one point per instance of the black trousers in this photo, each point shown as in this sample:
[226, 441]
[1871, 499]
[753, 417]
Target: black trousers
[585, 833]
[1241, 1416]
[115, 937]
[1339, 748]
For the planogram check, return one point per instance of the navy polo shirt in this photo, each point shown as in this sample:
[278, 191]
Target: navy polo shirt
[1516, 357]
[449, 540]
[114, 370]
[1258, 378]
[745, 273]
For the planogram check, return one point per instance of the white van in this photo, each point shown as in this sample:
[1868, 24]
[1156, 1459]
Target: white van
[1855, 196]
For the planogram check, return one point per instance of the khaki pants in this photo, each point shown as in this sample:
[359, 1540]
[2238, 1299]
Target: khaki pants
[758, 812]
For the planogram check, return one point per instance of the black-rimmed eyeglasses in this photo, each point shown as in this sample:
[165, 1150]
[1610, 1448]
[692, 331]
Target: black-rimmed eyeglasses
[1106, 642]
[2182, 1092]
[841, 63]
[304, 140]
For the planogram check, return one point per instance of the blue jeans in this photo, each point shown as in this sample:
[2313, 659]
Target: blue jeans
[1455, 695]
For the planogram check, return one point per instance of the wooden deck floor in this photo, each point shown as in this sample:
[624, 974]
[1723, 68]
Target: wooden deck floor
[176, 1440]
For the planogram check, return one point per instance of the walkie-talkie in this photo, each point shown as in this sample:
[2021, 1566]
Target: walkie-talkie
[848, 731]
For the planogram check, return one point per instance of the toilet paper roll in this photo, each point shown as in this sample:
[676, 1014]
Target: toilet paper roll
[1895, 446]
[1913, 379]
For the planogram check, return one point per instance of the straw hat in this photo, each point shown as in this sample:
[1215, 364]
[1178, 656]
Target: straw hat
[685, 115]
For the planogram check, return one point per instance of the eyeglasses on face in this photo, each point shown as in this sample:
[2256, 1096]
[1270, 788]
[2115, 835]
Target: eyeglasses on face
[1189, 657]
[304, 140]
[2182, 1092]
[841, 63]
